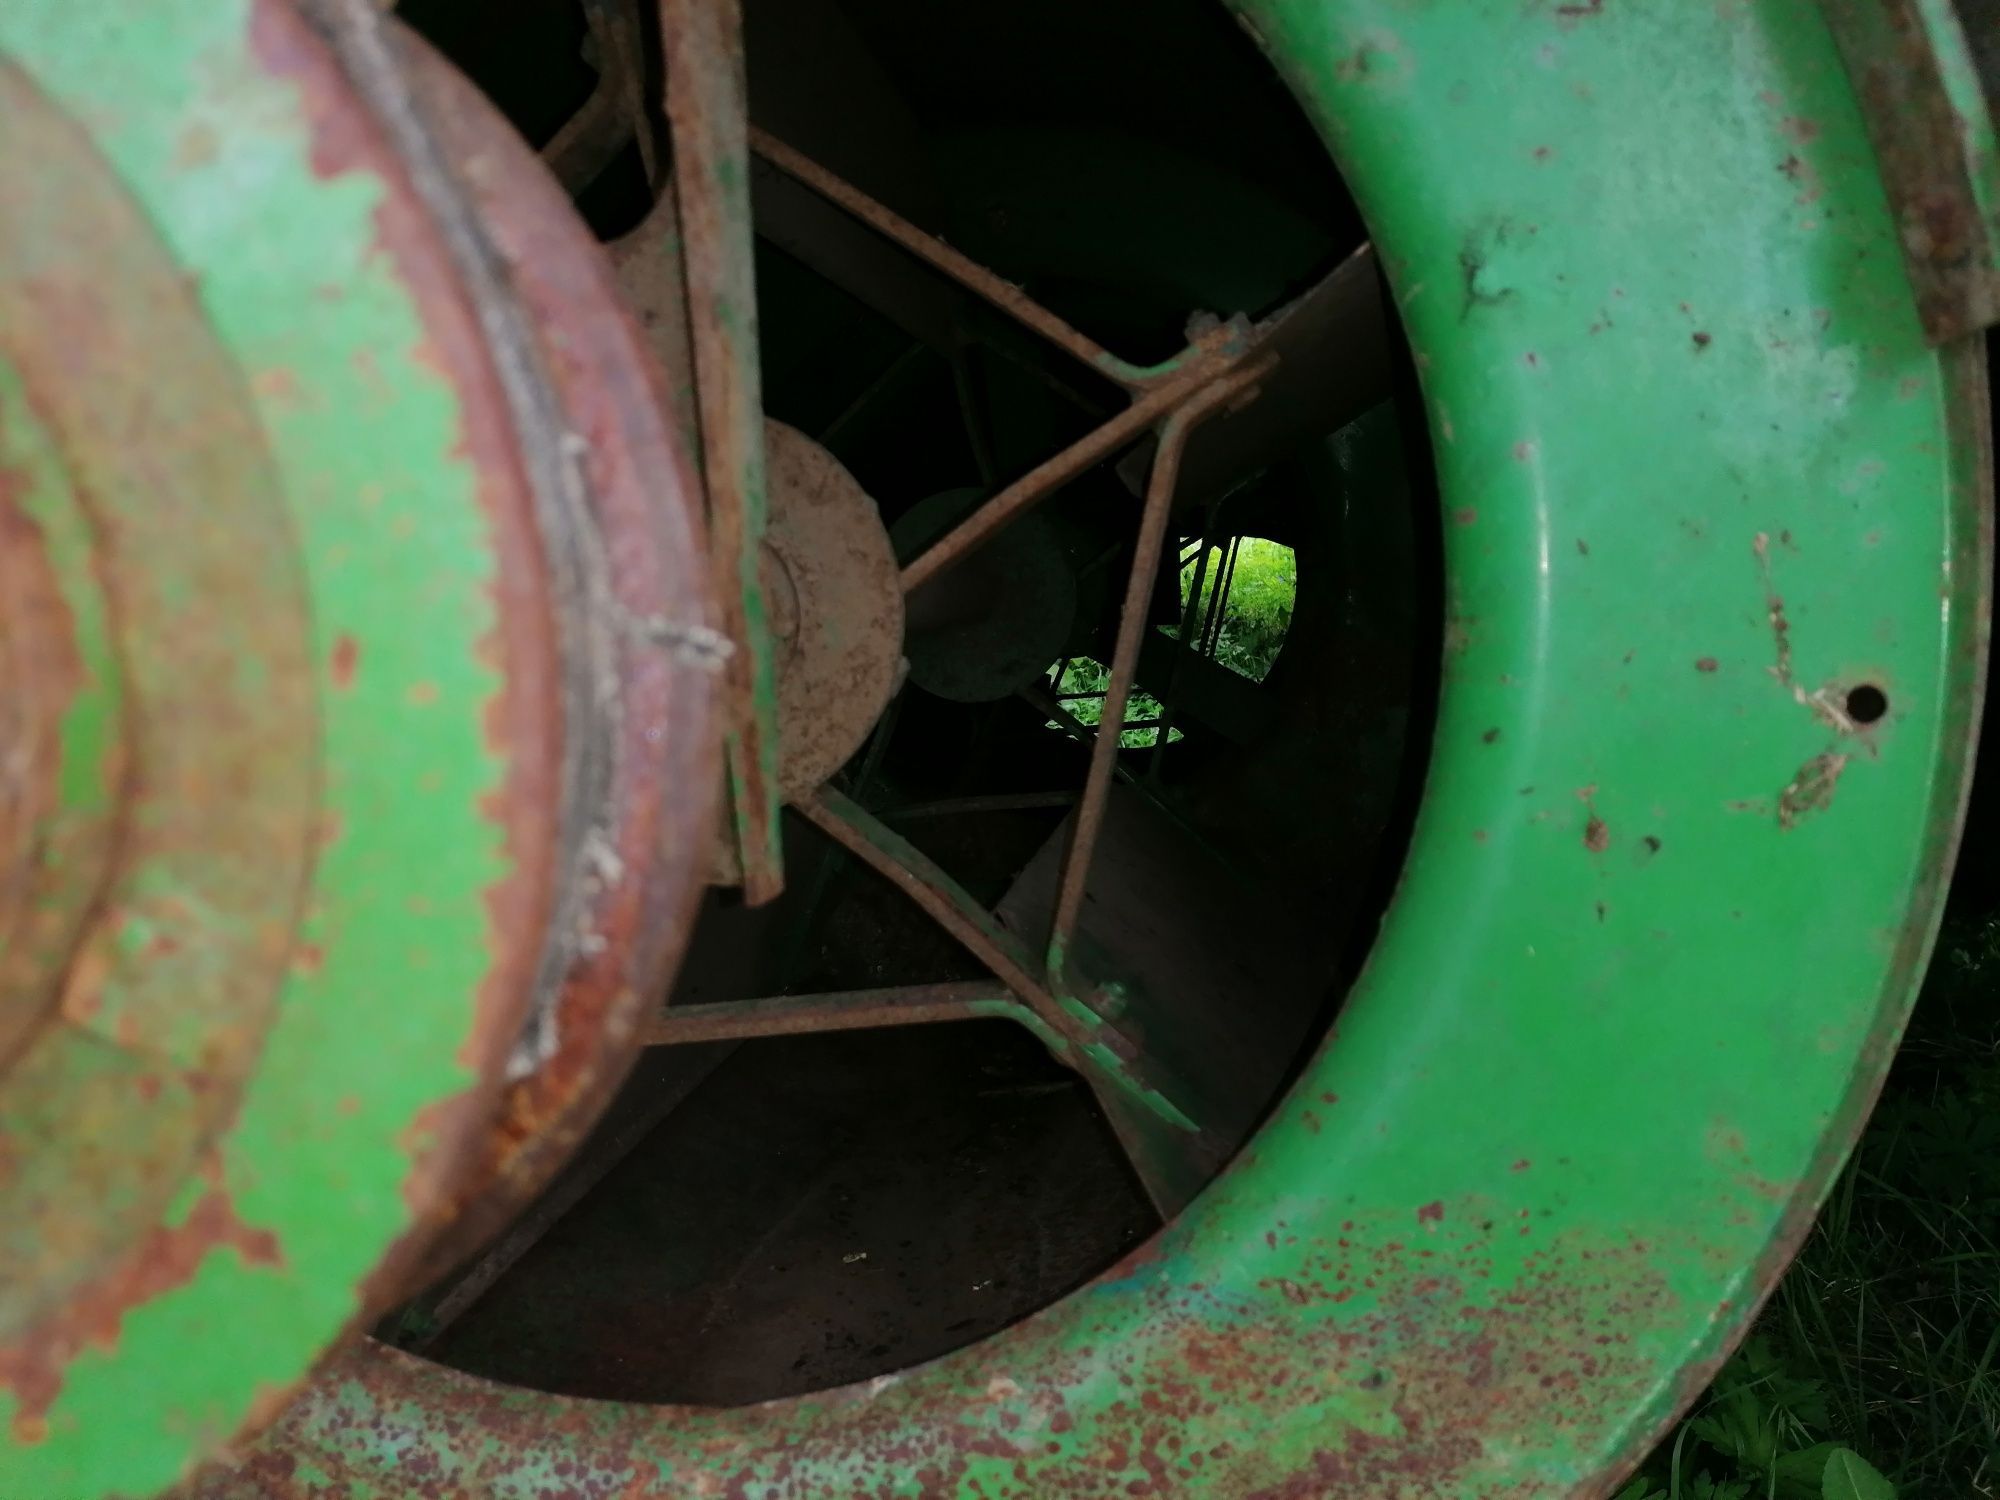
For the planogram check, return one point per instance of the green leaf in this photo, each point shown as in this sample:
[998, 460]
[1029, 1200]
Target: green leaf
[1641, 1489]
[1800, 1474]
[1849, 1476]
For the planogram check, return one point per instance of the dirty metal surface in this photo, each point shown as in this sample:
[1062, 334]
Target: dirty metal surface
[642, 869]
[148, 1020]
[1219, 983]
[1239, 387]
[1333, 353]
[1623, 1019]
[1930, 118]
[868, 1200]
[843, 1010]
[1148, 409]
[708, 116]
[835, 608]
[313, 629]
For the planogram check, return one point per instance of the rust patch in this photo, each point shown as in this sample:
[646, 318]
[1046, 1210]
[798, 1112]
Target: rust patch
[1706, 664]
[1774, 607]
[1811, 790]
[35, 1365]
[346, 654]
[1596, 835]
[1439, 1369]
[522, 721]
[642, 867]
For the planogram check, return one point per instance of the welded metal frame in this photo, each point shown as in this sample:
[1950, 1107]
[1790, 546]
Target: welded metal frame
[1222, 369]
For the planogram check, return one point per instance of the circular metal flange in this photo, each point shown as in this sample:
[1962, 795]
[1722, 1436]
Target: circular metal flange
[1665, 907]
[836, 608]
[282, 817]
[641, 867]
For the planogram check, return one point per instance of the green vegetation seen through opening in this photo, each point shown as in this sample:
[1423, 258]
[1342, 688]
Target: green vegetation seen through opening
[1247, 588]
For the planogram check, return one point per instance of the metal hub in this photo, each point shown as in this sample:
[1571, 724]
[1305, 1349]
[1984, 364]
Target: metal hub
[835, 604]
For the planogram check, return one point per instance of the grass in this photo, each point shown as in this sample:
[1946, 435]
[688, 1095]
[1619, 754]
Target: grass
[1256, 614]
[1874, 1372]
[1258, 610]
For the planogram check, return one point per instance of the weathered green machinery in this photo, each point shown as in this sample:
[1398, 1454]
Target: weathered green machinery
[414, 601]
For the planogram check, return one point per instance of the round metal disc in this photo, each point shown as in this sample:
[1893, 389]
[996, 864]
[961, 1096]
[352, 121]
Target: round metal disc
[836, 608]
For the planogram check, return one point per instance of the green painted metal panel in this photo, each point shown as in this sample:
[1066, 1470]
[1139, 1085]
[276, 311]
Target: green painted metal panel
[267, 1251]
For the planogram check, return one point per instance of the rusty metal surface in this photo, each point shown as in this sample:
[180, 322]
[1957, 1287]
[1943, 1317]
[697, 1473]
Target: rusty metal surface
[207, 390]
[707, 114]
[836, 611]
[1217, 977]
[847, 1010]
[1930, 119]
[631, 1117]
[1334, 349]
[615, 114]
[1149, 407]
[1239, 386]
[1002, 294]
[61, 711]
[948, 904]
[641, 872]
[146, 1008]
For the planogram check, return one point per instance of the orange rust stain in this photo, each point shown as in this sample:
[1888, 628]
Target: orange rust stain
[83, 988]
[33, 1366]
[346, 656]
[278, 386]
[1707, 664]
[310, 959]
[196, 147]
[1596, 835]
[1431, 1213]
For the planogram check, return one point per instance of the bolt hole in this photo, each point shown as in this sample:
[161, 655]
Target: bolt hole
[1867, 703]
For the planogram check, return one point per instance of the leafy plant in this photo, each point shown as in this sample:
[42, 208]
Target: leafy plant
[1257, 610]
[1763, 1433]
[1083, 675]
[1849, 1476]
[1874, 1373]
